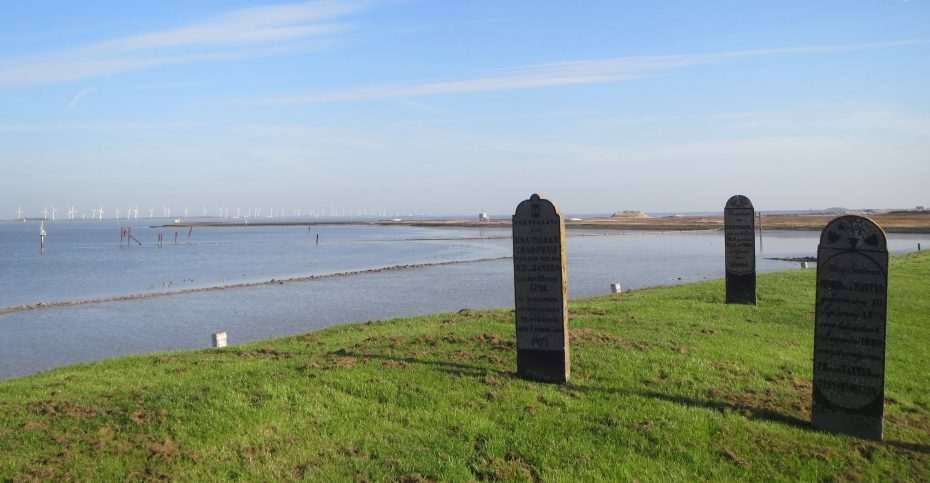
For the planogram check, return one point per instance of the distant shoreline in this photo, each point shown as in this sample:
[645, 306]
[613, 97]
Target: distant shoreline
[892, 223]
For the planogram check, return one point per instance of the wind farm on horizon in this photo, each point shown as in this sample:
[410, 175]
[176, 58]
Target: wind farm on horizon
[51, 213]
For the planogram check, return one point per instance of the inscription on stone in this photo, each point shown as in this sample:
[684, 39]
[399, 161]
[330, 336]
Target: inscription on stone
[541, 291]
[849, 333]
[740, 250]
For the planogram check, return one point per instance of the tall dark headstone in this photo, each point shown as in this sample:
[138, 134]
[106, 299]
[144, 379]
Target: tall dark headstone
[849, 333]
[541, 291]
[740, 250]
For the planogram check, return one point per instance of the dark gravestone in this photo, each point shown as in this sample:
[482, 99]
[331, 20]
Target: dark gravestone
[541, 291]
[740, 250]
[849, 333]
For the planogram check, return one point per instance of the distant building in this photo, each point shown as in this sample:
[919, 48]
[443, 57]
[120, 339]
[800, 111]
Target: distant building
[483, 217]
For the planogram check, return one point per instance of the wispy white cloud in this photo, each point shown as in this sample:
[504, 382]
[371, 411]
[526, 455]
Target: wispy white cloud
[164, 85]
[80, 95]
[564, 74]
[250, 32]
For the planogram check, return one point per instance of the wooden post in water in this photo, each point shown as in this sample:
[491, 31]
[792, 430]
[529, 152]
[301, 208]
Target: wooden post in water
[42, 238]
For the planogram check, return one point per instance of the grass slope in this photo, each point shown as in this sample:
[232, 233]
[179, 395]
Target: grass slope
[667, 383]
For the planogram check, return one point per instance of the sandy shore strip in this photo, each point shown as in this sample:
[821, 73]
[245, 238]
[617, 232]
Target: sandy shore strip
[918, 222]
[273, 281]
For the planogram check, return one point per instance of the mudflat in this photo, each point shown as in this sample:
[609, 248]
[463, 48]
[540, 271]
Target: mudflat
[895, 222]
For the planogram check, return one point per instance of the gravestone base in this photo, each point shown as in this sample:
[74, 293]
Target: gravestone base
[741, 289]
[543, 366]
[862, 426]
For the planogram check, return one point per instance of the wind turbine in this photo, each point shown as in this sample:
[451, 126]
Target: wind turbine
[71, 212]
[151, 213]
[53, 212]
[45, 213]
[19, 213]
[117, 214]
[101, 212]
[185, 213]
[238, 210]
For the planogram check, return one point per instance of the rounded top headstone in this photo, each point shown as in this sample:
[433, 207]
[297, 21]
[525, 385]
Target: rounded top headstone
[854, 232]
[739, 201]
[543, 207]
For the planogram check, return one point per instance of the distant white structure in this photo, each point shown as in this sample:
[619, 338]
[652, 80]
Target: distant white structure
[483, 217]
[219, 339]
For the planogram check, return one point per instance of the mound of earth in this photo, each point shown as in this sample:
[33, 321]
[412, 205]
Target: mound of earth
[629, 214]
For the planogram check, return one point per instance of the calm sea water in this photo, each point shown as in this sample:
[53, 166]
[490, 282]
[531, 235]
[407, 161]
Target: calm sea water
[84, 260]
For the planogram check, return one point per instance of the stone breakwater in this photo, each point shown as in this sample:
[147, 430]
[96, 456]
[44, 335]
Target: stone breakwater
[273, 281]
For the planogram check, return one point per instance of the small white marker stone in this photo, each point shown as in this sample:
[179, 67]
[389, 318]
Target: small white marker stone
[219, 339]
[615, 288]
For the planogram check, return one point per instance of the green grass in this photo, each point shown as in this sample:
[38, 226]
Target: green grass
[667, 384]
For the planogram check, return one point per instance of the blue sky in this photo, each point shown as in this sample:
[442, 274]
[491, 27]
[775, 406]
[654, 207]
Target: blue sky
[453, 107]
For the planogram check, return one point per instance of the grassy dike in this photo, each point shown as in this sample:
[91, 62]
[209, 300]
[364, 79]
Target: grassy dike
[667, 383]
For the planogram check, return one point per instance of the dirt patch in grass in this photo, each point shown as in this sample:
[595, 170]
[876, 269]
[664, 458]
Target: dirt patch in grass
[140, 416]
[586, 313]
[463, 356]
[265, 353]
[509, 468]
[733, 458]
[164, 449]
[34, 426]
[392, 364]
[788, 402]
[53, 409]
[430, 340]
[495, 341]
[913, 421]
[587, 336]
[394, 342]
[416, 478]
